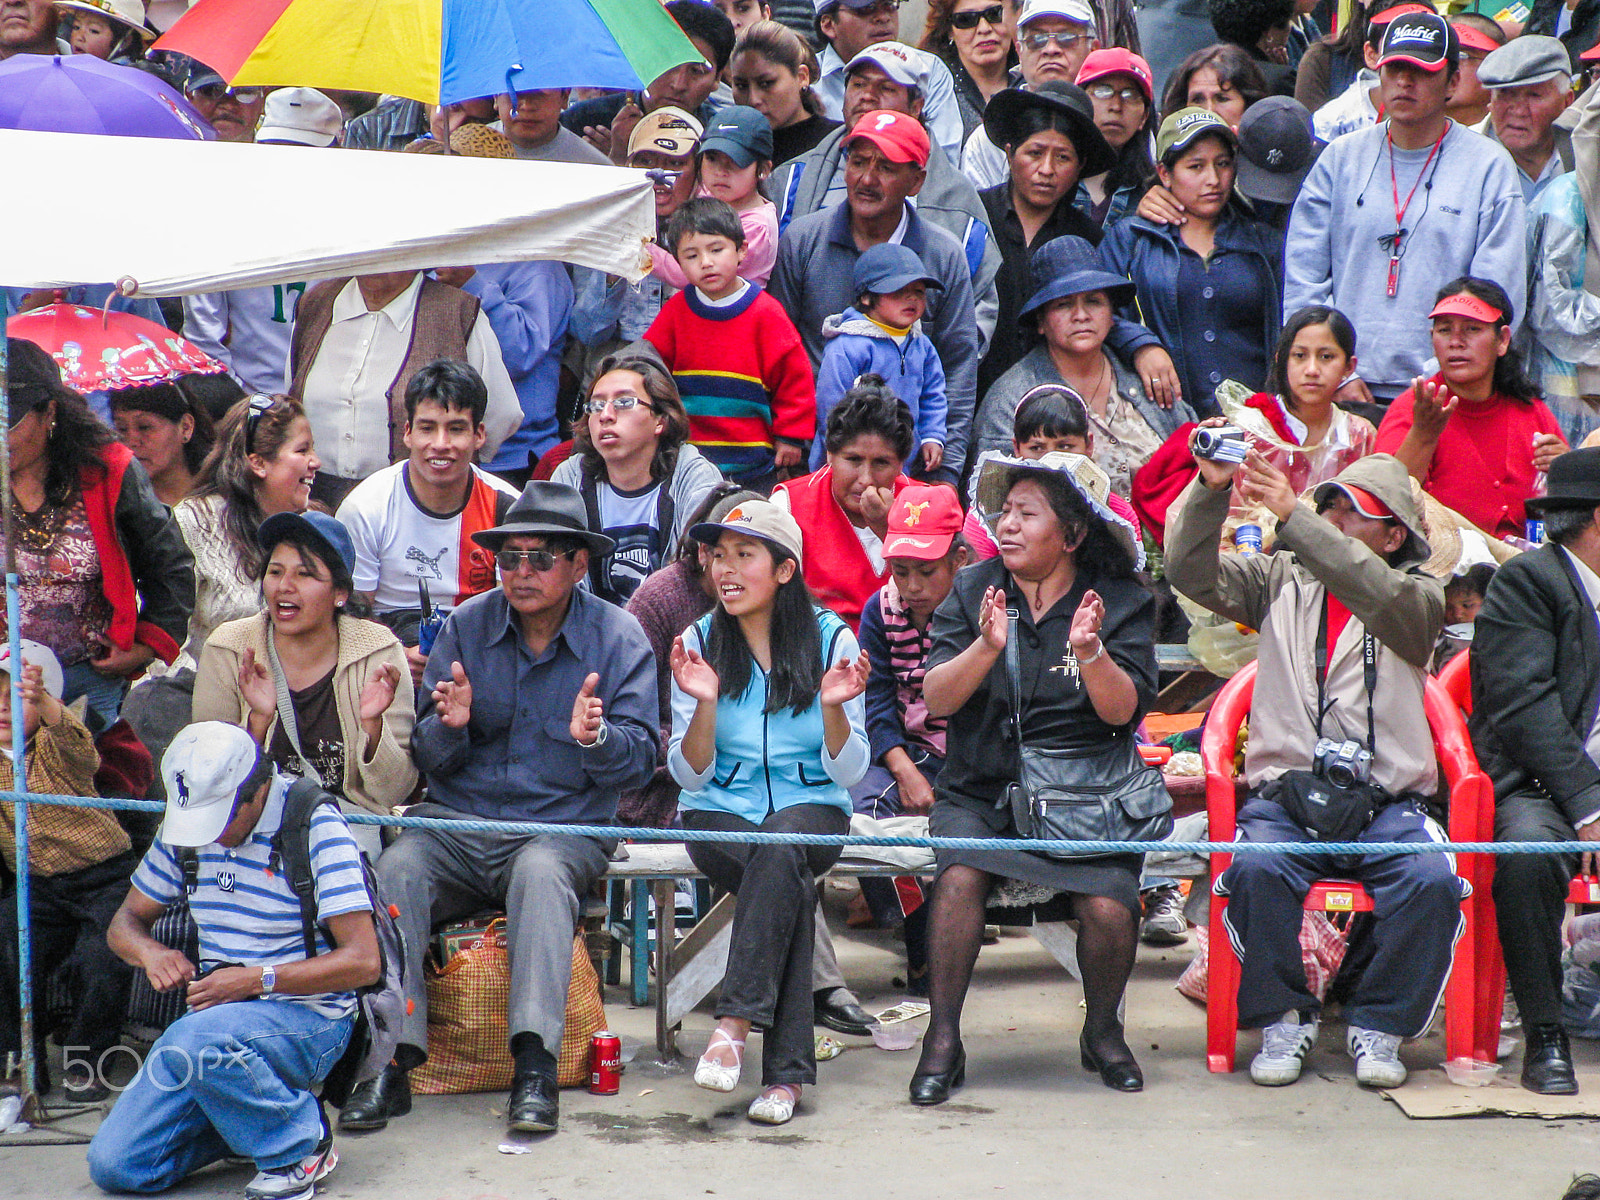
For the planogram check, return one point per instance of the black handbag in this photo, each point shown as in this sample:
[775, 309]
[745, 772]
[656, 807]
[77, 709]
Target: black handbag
[1329, 811]
[1104, 794]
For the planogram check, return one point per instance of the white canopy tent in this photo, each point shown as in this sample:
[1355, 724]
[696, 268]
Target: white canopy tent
[227, 215]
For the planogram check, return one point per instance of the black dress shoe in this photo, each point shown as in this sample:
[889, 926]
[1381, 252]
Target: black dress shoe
[372, 1103]
[1547, 1062]
[1121, 1075]
[534, 1103]
[934, 1087]
[848, 1018]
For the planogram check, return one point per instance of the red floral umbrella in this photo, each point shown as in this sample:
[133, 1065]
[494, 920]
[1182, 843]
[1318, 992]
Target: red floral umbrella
[102, 351]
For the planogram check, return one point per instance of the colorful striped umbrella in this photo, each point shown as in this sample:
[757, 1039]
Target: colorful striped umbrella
[437, 51]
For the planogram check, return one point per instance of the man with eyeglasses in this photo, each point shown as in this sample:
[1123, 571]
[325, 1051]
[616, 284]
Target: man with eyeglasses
[1053, 39]
[607, 122]
[539, 704]
[234, 112]
[847, 27]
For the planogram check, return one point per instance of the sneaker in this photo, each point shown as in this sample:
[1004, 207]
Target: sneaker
[1164, 923]
[297, 1181]
[1284, 1046]
[1377, 1057]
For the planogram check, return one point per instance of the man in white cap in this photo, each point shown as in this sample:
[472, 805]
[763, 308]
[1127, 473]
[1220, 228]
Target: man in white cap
[79, 860]
[300, 116]
[847, 27]
[1530, 85]
[237, 1074]
[1053, 39]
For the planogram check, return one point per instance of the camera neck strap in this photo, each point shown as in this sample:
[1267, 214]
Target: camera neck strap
[1369, 671]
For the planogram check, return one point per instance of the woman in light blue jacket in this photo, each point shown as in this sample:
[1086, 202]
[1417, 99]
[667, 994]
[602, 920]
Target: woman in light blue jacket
[768, 733]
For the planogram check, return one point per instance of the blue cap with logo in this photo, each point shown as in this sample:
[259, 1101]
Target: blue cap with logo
[741, 133]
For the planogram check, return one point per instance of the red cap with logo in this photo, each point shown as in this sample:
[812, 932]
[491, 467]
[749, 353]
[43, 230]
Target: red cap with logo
[900, 136]
[923, 521]
[1465, 304]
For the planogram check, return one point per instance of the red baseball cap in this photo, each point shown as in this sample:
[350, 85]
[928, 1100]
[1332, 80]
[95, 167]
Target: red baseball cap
[1473, 38]
[1465, 304]
[1592, 54]
[1363, 501]
[1398, 10]
[1117, 61]
[901, 137]
[923, 521]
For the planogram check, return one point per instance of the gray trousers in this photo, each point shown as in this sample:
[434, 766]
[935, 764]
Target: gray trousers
[433, 877]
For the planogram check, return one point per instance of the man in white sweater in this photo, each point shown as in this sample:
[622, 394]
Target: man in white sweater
[1392, 212]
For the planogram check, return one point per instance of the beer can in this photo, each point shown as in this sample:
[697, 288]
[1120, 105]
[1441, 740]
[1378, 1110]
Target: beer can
[605, 1063]
[1535, 531]
[1248, 539]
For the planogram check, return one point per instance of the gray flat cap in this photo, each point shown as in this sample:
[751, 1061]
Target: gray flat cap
[1531, 58]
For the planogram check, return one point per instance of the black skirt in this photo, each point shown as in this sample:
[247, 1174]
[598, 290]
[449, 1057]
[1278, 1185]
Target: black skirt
[1116, 876]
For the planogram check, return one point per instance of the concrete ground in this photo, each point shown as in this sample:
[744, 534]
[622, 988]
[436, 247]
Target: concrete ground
[1030, 1121]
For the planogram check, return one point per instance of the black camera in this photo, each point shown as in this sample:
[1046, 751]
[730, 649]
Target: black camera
[1342, 764]
[1221, 443]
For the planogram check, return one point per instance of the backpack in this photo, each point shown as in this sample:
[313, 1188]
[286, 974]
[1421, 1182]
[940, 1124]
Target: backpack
[381, 1007]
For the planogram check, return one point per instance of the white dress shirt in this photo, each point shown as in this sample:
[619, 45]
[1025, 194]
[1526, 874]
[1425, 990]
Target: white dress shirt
[346, 388]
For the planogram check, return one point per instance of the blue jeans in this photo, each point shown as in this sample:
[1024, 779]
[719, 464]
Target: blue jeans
[105, 694]
[231, 1080]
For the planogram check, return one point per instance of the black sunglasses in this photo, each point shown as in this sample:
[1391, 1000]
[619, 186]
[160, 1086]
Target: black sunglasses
[260, 405]
[540, 560]
[994, 14]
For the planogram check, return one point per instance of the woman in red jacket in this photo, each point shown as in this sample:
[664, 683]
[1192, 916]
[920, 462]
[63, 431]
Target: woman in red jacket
[106, 580]
[843, 509]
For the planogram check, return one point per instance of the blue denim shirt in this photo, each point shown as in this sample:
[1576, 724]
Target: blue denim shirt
[515, 759]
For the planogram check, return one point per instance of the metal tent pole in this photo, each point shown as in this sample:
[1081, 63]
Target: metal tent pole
[19, 739]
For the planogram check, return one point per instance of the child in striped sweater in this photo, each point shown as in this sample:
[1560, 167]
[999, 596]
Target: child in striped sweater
[736, 357]
[924, 550]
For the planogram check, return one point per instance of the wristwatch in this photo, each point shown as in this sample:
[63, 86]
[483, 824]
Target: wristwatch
[600, 738]
[269, 979]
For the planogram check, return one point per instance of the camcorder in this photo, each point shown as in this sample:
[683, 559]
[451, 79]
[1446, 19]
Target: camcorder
[1221, 443]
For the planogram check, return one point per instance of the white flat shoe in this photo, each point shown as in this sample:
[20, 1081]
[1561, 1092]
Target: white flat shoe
[713, 1076]
[776, 1106]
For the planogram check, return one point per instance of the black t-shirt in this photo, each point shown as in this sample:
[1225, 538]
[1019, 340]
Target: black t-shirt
[1057, 712]
[794, 140]
[316, 716]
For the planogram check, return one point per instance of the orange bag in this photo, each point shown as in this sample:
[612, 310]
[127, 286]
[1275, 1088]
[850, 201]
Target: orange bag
[468, 1038]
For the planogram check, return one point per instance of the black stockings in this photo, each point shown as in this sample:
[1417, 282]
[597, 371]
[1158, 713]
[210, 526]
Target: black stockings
[1107, 940]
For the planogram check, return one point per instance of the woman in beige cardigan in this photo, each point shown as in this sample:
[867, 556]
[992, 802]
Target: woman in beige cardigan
[343, 679]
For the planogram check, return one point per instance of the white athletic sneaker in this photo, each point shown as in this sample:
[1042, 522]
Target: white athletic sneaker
[1377, 1057]
[1164, 923]
[1284, 1046]
[297, 1181]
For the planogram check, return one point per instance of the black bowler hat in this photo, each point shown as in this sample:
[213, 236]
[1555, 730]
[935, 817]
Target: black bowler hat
[1573, 482]
[546, 509]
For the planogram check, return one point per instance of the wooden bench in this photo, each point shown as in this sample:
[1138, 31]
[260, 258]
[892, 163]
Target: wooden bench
[687, 971]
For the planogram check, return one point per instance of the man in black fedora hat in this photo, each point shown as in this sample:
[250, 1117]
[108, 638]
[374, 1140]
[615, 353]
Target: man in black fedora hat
[539, 704]
[1535, 692]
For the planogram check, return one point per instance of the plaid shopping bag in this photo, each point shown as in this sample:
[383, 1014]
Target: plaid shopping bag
[1322, 947]
[467, 1031]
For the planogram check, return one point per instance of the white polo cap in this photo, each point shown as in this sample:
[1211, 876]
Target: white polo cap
[204, 769]
[1076, 11]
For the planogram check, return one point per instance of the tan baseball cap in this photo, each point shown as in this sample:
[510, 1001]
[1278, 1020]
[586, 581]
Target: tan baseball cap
[669, 130]
[756, 518]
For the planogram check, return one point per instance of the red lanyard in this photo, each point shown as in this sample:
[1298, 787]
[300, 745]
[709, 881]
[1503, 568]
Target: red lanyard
[1401, 209]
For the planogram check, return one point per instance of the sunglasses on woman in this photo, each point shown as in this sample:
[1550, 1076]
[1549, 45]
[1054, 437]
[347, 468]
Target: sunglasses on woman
[994, 14]
[260, 405]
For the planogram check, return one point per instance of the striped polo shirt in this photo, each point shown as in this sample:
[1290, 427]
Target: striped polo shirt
[247, 913]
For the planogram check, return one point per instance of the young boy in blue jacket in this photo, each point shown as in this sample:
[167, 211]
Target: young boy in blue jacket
[883, 336]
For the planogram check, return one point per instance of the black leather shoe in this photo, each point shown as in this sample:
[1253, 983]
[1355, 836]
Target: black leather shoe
[534, 1104]
[372, 1103]
[934, 1087]
[1547, 1062]
[1121, 1075]
[842, 1018]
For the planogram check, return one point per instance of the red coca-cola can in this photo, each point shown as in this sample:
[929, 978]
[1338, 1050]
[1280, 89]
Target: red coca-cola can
[605, 1064]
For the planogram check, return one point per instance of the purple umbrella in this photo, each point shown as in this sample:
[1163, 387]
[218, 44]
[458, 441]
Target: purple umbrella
[82, 94]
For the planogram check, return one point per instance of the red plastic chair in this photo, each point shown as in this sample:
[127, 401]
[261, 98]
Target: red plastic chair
[1467, 1032]
[1456, 682]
